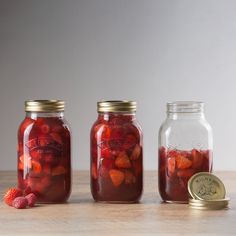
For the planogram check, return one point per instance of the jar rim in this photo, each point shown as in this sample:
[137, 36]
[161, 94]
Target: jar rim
[185, 107]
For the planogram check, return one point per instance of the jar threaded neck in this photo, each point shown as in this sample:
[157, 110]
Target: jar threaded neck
[185, 107]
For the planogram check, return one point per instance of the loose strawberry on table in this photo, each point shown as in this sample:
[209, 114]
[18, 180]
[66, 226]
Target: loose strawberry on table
[20, 203]
[18, 199]
[31, 199]
[11, 194]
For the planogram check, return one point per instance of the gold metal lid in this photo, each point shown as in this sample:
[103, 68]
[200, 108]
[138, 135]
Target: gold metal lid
[206, 186]
[44, 105]
[116, 106]
[209, 204]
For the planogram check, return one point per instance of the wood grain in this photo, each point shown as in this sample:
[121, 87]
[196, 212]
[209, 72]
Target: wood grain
[81, 216]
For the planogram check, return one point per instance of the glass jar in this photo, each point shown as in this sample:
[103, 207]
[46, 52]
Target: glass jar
[44, 151]
[116, 153]
[185, 148]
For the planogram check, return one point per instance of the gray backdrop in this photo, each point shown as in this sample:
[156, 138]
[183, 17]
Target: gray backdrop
[144, 50]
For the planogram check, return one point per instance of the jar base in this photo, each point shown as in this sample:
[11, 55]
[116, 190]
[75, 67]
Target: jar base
[117, 202]
[175, 202]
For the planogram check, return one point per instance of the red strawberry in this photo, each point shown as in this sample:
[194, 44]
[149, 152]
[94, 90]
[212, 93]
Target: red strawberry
[105, 165]
[171, 166]
[197, 158]
[106, 152]
[36, 166]
[32, 143]
[136, 152]
[130, 141]
[11, 194]
[20, 203]
[59, 170]
[172, 153]
[31, 198]
[122, 161]
[129, 177]
[183, 162]
[56, 137]
[94, 171]
[45, 129]
[117, 177]
[25, 161]
[117, 132]
[25, 124]
[44, 140]
[105, 132]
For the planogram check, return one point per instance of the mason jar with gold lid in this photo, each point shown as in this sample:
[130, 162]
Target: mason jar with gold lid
[116, 153]
[44, 151]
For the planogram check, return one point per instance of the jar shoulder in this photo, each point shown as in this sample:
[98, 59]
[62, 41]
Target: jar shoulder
[44, 126]
[182, 125]
[109, 130]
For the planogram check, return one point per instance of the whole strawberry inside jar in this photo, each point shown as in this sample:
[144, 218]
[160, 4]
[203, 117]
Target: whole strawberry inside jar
[44, 151]
[116, 153]
[185, 148]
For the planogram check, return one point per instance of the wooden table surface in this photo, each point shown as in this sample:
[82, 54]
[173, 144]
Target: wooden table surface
[81, 216]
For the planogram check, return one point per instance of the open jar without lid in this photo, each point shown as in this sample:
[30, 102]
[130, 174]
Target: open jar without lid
[185, 148]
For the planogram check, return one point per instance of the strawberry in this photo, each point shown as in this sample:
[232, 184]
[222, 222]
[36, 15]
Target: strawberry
[172, 153]
[20, 166]
[31, 199]
[122, 161]
[197, 158]
[129, 177]
[105, 165]
[56, 137]
[57, 128]
[171, 166]
[32, 143]
[106, 152]
[117, 177]
[94, 171]
[117, 133]
[20, 203]
[45, 129]
[183, 162]
[25, 124]
[102, 132]
[136, 152]
[50, 159]
[35, 154]
[59, 170]
[25, 161]
[11, 194]
[44, 141]
[130, 141]
[36, 166]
